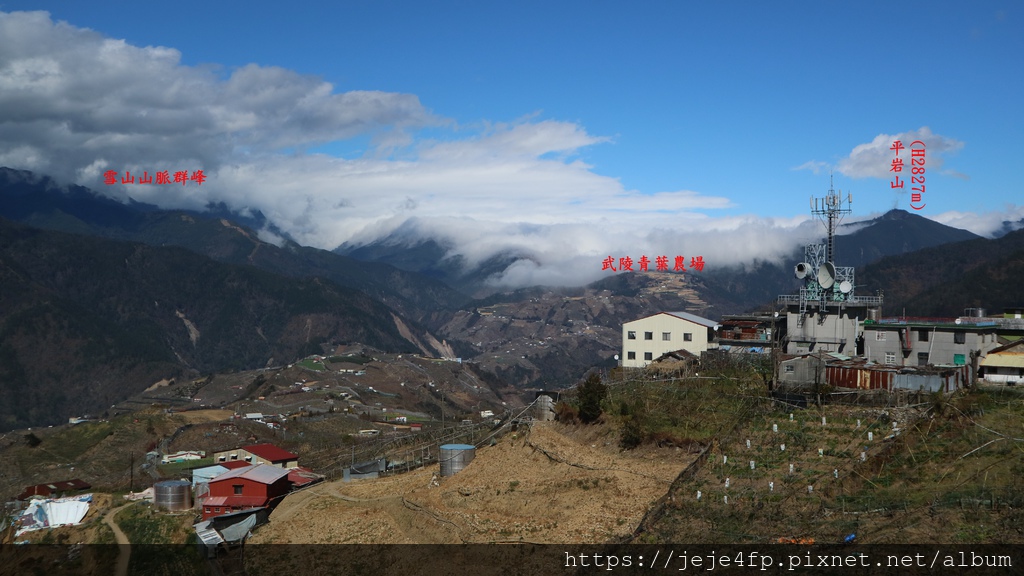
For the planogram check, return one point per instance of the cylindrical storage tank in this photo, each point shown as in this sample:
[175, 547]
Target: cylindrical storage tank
[455, 457]
[544, 408]
[173, 495]
[874, 314]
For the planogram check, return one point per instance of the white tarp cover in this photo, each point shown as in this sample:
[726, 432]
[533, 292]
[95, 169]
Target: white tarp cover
[50, 513]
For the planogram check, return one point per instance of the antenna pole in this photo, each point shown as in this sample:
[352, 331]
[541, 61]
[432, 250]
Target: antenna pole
[831, 211]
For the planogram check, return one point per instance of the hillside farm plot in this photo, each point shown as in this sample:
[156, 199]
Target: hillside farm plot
[940, 472]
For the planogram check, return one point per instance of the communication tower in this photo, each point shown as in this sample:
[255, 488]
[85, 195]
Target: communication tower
[826, 286]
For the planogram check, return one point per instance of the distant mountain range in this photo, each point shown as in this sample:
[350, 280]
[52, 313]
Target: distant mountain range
[895, 232]
[942, 281]
[86, 322]
[226, 237]
[135, 294]
[725, 289]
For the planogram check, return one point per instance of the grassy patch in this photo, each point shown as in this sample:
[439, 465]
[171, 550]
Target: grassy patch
[183, 469]
[311, 364]
[145, 524]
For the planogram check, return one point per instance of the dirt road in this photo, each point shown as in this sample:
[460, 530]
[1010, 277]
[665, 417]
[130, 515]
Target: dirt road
[124, 548]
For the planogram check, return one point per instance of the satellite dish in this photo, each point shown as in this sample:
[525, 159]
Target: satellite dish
[958, 321]
[826, 275]
[801, 270]
[845, 286]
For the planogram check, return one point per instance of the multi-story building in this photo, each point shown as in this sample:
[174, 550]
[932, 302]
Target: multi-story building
[646, 339]
[924, 341]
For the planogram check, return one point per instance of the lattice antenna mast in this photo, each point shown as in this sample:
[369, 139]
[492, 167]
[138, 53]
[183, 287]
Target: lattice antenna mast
[830, 210]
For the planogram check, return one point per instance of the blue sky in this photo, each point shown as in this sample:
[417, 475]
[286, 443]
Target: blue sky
[682, 118]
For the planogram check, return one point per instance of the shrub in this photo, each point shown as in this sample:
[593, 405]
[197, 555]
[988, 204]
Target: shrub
[566, 413]
[591, 394]
[632, 434]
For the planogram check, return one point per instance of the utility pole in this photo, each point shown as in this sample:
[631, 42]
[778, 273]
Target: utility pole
[131, 470]
[775, 353]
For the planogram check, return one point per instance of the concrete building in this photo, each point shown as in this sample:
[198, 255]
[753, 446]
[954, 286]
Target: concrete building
[923, 341]
[824, 330]
[648, 338]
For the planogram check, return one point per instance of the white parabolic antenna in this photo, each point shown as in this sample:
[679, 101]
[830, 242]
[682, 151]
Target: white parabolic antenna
[826, 275]
[845, 286]
[801, 269]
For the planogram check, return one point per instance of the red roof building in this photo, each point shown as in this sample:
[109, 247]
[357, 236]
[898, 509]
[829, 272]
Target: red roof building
[233, 464]
[54, 489]
[301, 477]
[253, 486]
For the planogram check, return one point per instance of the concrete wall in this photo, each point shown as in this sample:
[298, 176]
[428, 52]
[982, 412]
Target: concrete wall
[657, 326]
[939, 346]
[832, 332]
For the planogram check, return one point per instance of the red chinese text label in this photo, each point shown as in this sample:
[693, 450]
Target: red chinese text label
[164, 177]
[917, 160]
[661, 264]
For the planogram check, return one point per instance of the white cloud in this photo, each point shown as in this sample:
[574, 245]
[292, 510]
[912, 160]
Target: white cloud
[814, 166]
[986, 223]
[874, 159]
[74, 104]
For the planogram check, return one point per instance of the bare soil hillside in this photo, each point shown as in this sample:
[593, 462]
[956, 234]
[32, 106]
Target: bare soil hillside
[549, 484]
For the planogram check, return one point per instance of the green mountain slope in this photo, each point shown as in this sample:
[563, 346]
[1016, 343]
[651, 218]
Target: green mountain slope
[37, 201]
[86, 321]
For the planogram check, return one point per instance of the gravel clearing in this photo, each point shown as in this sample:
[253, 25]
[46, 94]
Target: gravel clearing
[551, 484]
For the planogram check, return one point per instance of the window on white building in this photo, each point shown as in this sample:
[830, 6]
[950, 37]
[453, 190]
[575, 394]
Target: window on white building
[666, 336]
[879, 335]
[648, 356]
[959, 337]
[890, 358]
[648, 335]
[631, 335]
[630, 355]
[687, 337]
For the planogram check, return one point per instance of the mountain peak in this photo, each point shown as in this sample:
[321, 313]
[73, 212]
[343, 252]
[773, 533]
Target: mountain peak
[895, 214]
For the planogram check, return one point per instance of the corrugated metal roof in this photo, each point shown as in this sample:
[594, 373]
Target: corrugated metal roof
[1003, 360]
[262, 473]
[270, 452]
[694, 318]
[234, 464]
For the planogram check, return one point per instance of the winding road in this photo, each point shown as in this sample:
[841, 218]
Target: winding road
[124, 548]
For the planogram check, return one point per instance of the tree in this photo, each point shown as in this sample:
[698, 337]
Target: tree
[32, 440]
[591, 394]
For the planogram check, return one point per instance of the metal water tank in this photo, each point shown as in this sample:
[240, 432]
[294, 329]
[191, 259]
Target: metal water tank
[173, 495]
[544, 408]
[455, 457]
